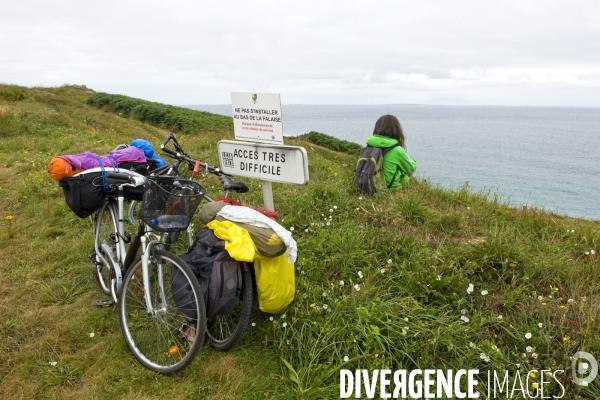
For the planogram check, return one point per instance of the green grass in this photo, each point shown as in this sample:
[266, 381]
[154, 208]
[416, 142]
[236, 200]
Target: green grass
[381, 280]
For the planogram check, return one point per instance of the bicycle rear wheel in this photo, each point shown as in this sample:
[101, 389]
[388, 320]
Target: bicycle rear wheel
[167, 340]
[226, 331]
[105, 244]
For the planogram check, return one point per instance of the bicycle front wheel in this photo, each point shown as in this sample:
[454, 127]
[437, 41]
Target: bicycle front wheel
[225, 331]
[167, 337]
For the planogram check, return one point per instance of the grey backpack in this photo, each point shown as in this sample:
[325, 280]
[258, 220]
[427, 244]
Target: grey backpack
[368, 175]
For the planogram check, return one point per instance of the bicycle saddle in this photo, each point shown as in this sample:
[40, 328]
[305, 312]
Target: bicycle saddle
[234, 186]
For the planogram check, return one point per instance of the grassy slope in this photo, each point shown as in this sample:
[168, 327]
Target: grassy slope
[417, 251]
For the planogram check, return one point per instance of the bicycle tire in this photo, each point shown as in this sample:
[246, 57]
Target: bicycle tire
[157, 341]
[105, 233]
[224, 332]
[133, 211]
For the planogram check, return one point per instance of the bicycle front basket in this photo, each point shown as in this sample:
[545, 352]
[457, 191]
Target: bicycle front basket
[170, 202]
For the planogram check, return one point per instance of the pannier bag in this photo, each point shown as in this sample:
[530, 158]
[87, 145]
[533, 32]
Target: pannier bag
[275, 283]
[224, 285]
[219, 276]
[183, 295]
[275, 280]
[85, 192]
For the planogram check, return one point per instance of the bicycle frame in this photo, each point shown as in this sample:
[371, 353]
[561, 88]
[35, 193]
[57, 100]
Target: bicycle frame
[120, 262]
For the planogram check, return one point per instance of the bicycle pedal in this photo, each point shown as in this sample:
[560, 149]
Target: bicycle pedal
[93, 259]
[104, 303]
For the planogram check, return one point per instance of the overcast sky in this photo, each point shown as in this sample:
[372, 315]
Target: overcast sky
[472, 52]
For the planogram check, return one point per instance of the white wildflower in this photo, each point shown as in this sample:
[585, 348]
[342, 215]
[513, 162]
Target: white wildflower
[92, 334]
[328, 223]
[540, 298]
[404, 331]
[534, 355]
[331, 210]
[341, 283]
[270, 318]
[484, 292]
[382, 270]
[463, 311]
[592, 252]
[335, 207]
[518, 365]
[357, 287]
[292, 228]
[325, 306]
[53, 363]
[529, 349]
[472, 345]
[528, 335]
[284, 324]
[438, 278]
[360, 275]
[570, 301]
[500, 316]
[389, 261]
[346, 358]
[357, 208]
[470, 288]
[587, 253]
[540, 325]
[464, 318]
[253, 324]
[360, 198]
[406, 319]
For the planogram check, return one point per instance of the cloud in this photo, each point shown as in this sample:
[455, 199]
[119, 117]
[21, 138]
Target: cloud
[187, 52]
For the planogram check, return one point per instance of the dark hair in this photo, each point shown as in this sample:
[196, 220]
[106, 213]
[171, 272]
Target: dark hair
[388, 125]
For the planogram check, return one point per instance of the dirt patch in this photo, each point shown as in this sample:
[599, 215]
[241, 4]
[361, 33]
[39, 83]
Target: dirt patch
[476, 240]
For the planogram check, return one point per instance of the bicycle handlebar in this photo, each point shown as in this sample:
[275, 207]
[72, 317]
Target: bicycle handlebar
[119, 178]
[229, 184]
[181, 155]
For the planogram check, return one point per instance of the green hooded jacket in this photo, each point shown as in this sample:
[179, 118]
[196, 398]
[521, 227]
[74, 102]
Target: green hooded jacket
[395, 159]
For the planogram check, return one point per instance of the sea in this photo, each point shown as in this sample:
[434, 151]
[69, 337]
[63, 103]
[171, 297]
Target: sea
[543, 157]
